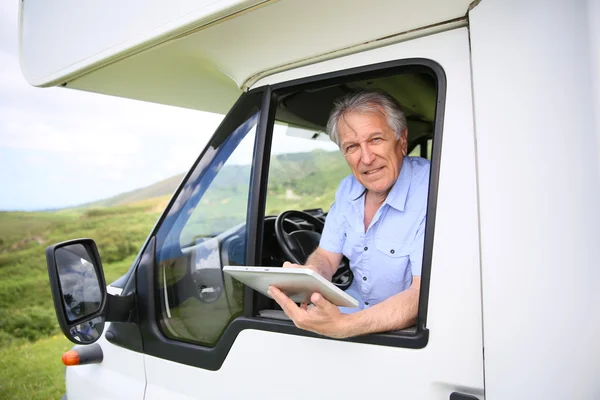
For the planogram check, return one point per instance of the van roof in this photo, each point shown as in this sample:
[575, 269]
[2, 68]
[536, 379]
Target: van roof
[201, 55]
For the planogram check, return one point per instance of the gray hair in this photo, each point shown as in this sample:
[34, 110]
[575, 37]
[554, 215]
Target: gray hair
[365, 102]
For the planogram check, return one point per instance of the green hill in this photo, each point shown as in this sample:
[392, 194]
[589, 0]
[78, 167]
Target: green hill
[301, 174]
[304, 180]
[29, 332]
[119, 225]
[162, 188]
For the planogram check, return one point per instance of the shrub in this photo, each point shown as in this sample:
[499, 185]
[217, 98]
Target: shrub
[31, 323]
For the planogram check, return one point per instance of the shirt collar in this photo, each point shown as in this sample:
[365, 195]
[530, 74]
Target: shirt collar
[399, 193]
[397, 196]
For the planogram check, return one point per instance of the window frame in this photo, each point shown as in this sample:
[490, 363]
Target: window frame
[420, 337]
[212, 358]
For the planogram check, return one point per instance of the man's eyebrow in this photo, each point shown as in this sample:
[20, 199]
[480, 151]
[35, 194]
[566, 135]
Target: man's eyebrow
[376, 133]
[371, 136]
[346, 143]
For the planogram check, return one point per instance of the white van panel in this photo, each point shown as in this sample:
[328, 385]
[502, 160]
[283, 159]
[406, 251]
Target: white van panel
[593, 13]
[265, 365]
[120, 375]
[59, 36]
[537, 152]
[187, 54]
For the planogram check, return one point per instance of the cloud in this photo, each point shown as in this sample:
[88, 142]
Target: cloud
[112, 175]
[9, 16]
[35, 161]
[90, 139]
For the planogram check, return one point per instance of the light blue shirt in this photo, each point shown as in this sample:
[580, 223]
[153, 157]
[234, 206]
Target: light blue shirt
[385, 257]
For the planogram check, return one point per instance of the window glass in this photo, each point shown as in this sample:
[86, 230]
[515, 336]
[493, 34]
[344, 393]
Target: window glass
[205, 230]
[305, 170]
[416, 151]
[429, 147]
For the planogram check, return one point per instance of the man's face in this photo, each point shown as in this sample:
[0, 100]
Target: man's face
[371, 150]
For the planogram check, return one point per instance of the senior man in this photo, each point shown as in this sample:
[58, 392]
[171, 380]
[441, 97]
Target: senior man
[377, 221]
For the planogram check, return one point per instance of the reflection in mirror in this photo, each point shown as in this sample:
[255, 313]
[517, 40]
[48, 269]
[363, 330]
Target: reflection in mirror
[89, 331]
[81, 291]
[206, 270]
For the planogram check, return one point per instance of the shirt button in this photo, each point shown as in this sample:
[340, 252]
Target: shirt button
[392, 251]
[366, 248]
[364, 278]
[366, 303]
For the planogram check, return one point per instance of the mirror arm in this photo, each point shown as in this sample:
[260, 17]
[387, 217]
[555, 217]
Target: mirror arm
[120, 308]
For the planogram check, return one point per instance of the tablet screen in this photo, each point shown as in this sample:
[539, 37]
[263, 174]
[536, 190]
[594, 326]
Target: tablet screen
[297, 283]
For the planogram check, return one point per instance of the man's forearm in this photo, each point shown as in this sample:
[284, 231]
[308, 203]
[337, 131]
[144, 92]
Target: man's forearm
[322, 264]
[397, 312]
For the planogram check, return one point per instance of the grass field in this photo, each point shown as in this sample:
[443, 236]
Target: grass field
[31, 343]
[33, 370]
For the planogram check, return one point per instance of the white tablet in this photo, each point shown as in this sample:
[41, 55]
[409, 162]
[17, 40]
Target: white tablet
[297, 283]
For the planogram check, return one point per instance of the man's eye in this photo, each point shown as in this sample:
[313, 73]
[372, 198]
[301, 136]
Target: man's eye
[376, 139]
[350, 148]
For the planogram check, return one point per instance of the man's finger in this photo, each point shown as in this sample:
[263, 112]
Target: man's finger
[288, 264]
[289, 307]
[318, 300]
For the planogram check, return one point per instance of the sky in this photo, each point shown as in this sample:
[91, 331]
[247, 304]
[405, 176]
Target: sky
[62, 147]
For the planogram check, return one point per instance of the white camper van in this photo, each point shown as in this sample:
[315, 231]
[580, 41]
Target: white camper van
[503, 96]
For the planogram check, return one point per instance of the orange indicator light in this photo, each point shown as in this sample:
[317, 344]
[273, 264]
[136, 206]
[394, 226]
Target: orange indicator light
[70, 358]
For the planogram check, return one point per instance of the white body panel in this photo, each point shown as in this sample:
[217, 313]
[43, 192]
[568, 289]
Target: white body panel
[121, 375]
[593, 14]
[170, 57]
[62, 38]
[452, 360]
[539, 190]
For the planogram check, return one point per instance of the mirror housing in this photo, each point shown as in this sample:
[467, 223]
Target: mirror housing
[78, 289]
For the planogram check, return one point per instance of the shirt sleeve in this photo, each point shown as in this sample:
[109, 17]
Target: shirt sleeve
[332, 239]
[416, 254]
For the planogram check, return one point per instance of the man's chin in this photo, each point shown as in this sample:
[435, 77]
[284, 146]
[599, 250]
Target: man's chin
[374, 188]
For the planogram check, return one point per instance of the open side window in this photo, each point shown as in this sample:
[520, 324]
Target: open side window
[269, 155]
[305, 167]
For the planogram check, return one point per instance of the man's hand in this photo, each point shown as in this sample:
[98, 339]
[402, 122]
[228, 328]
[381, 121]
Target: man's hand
[321, 261]
[322, 317]
[288, 264]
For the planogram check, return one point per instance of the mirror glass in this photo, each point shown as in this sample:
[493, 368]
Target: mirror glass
[88, 331]
[80, 286]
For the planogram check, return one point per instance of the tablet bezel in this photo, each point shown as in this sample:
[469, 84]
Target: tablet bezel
[302, 281]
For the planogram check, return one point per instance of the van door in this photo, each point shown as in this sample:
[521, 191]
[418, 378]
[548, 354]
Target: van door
[203, 332]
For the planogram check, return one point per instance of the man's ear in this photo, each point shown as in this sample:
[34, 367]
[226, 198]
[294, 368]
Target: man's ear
[404, 142]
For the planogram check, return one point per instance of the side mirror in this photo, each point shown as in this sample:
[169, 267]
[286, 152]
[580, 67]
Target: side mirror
[78, 289]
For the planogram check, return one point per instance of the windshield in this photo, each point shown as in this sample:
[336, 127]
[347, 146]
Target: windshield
[305, 170]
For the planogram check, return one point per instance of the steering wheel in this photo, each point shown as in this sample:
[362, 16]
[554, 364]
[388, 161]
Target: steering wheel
[300, 243]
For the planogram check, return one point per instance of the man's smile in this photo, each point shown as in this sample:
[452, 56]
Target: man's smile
[373, 171]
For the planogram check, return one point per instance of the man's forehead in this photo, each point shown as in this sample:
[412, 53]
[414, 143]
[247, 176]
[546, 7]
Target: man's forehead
[354, 124]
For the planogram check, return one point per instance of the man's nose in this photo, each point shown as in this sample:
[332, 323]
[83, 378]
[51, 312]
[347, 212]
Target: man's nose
[366, 154]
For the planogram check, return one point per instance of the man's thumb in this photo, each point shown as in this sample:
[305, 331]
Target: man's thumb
[317, 299]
